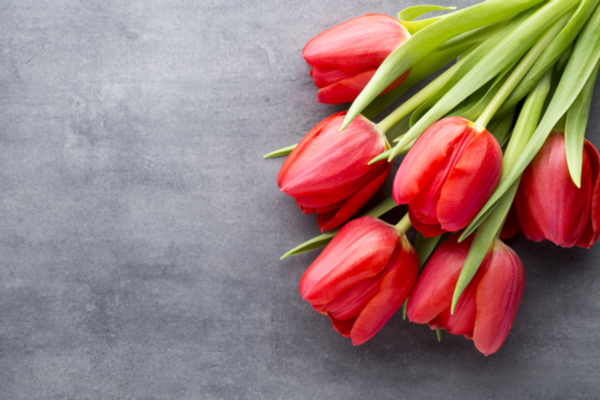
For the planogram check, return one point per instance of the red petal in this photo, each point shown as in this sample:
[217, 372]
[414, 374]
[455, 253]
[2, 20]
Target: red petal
[428, 158]
[346, 90]
[463, 319]
[592, 228]
[434, 289]
[360, 250]
[471, 182]
[303, 143]
[397, 283]
[362, 42]
[343, 326]
[332, 220]
[331, 165]
[549, 201]
[324, 77]
[498, 297]
[427, 230]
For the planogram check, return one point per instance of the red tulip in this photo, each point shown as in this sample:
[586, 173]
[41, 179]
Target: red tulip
[345, 57]
[548, 203]
[362, 277]
[448, 175]
[488, 306]
[327, 172]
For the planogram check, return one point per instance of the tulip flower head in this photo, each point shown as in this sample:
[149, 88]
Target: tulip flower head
[488, 306]
[345, 57]
[550, 206]
[328, 172]
[448, 175]
[362, 277]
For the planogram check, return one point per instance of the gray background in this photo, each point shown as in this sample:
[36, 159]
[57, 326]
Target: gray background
[140, 228]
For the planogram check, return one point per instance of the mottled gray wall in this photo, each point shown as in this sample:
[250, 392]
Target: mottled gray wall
[140, 228]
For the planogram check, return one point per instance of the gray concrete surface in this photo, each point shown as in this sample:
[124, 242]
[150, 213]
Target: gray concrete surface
[140, 228]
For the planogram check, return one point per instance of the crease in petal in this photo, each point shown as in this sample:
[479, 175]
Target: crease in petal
[427, 157]
[471, 182]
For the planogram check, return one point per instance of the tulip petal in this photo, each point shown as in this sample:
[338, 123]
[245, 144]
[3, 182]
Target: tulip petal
[329, 167]
[592, 229]
[498, 297]
[427, 230]
[351, 302]
[471, 182]
[303, 143]
[395, 287]
[332, 220]
[360, 250]
[463, 319]
[343, 326]
[548, 201]
[427, 157]
[362, 42]
[346, 90]
[324, 77]
[433, 292]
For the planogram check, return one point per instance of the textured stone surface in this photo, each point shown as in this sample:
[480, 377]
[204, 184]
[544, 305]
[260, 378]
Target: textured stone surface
[140, 228]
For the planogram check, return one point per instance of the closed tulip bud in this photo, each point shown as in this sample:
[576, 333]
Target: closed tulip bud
[448, 175]
[487, 307]
[345, 57]
[328, 172]
[550, 206]
[362, 277]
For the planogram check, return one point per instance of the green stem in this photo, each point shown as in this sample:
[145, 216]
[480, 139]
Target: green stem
[419, 98]
[519, 72]
[404, 225]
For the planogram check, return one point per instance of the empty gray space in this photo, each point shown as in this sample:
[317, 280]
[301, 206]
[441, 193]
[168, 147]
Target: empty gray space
[140, 228]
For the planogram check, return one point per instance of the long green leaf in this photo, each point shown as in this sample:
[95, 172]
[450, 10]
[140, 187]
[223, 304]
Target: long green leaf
[427, 66]
[408, 15]
[507, 52]
[577, 119]
[501, 128]
[581, 65]
[551, 55]
[472, 59]
[428, 39]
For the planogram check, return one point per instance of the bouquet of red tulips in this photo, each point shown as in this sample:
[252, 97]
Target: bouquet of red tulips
[494, 144]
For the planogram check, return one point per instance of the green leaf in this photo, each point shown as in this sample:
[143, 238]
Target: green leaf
[323, 239]
[502, 127]
[551, 55]
[281, 152]
[427, 66]
[408, 15]
[312, 244]
[429, 38]
[503, 55]
[425, 246]
[577, 119]
[582, 64]
[473, 36]
[468, 62]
